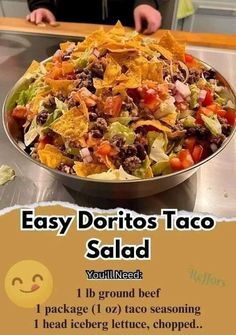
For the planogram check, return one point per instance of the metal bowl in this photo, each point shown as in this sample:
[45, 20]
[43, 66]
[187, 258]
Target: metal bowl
[105, 188]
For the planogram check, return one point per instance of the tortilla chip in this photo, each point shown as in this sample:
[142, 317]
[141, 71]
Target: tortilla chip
[169, 119]
[73, 124]
[169, 42]
[84, 169]
[34, 66]
[163, 51]
[66, 45]
[154, 123]
[118, 29]
[93, 40]
[52, 157]
[113, 70]
[60, 85]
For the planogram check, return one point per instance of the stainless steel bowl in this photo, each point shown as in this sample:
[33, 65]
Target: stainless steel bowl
[110, 189]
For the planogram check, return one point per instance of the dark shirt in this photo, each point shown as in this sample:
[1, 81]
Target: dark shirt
[91, 11]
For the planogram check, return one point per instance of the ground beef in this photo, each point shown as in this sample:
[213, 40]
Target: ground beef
[96, 133]
[194, 76]
[141, 152]
[218, 140]
[97, 69]
[50, 102]
[226, 128]
[85, 80]
[101, 124]
[201, 132]
[118, 141]
[66, 169]
[132, 163]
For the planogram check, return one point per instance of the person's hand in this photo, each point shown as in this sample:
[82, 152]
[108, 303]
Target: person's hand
[41, 15]
[148, 15]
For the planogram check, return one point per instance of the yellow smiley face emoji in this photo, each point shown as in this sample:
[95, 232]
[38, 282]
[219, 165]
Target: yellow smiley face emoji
[28, 283]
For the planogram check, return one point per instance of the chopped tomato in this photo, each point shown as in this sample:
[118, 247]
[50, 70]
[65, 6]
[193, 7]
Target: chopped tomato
[189, 143]
[43, 141]
[208, 99]
[185, 158]
[197, 153]
[188, 58]
[19, 112]
[230, 116]
[104, 149]
[202, 110]
[150, 97]
[175, 164]
[113, 105]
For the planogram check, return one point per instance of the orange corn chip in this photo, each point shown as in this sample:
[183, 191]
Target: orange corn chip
[118, 29]
[73, 124]
[52, 157]
[168, 42]
[34, 66]
[169, 119]
[85, 169]
[60, 85]
[154, 123]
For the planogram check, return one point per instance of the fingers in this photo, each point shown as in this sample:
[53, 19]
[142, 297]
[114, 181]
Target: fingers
[41, 15]
[51, 18]
[152, 27]
[138, 21]
[38, 17]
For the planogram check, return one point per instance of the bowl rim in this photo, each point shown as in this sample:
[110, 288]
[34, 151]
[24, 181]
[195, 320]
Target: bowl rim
[102, 181]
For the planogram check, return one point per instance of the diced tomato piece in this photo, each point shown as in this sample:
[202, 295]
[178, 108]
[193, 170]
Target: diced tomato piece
[208, 99]
[189, 143]
[104, 149]
[150, 97]
[186, 158]
[197, 153]
[113, 105]
[19, 112]
[230, 116]
[43, 141]
[202, 110]
[175, 164]
[188, 58]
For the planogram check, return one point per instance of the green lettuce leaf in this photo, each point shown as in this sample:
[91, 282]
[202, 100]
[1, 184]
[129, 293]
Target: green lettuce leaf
[212, 123]
[117, 174]
[116, 128]
[158, 148]
[27, 95]
[6, 174]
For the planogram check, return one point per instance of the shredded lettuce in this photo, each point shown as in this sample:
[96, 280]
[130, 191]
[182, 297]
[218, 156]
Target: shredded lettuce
[116, 128]
[6, 174]
[161, 168]
[143, 171]
[32, 133]
[82, 60]
[27, 95]
[125, 120]
[212, 123]
[194, 96]
[158, 148]
[166, 107]
[189, 121]
[117, 174]
[61, 106]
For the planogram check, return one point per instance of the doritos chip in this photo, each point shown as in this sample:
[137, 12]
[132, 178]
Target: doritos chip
[34, 67]
[73, 124]
[60, 85]
[52, 157]
[118, 29]
[167, 41]
[85, 169]
[153, 123]
[169, 119]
